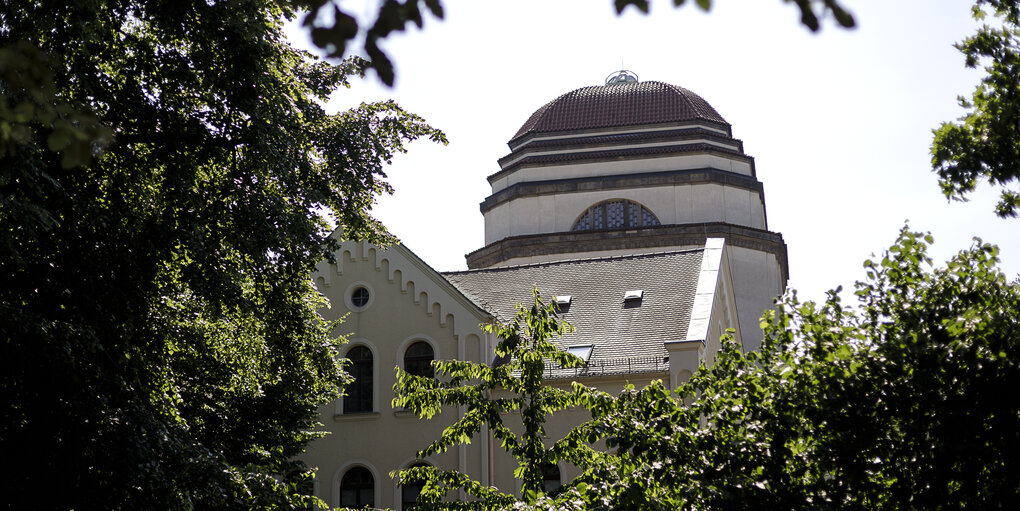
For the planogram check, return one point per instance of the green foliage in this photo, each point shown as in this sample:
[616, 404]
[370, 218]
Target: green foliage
[488, 395]
[164, 169]
[904, 402]
[30, 98]
[392, 16]
[985, 144]
[333, 29]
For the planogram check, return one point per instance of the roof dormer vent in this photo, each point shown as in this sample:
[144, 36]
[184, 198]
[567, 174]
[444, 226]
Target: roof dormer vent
[582, 351]
[633, 295]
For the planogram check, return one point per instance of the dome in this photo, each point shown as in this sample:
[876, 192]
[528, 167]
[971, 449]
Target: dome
[619, 104]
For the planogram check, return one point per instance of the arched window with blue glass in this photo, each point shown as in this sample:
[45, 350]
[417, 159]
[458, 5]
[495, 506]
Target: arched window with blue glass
[615, 214]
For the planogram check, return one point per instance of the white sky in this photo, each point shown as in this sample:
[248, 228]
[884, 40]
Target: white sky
[839, 122]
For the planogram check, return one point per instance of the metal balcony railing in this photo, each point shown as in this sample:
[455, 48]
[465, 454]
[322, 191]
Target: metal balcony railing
[609, 366]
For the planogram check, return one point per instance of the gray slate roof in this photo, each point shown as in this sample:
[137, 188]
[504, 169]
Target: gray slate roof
[628, 336]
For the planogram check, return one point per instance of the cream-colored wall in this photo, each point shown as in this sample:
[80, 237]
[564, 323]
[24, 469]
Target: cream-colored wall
[671, 204]
[407, 305]
[558, 426]
[622, 167]
[757, 281]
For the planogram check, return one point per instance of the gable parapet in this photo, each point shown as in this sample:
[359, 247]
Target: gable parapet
[412, 276]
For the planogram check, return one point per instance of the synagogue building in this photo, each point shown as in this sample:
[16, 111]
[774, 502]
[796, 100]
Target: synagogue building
[630, 205]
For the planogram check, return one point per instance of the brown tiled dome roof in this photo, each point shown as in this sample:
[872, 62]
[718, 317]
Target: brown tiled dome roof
[624, 104]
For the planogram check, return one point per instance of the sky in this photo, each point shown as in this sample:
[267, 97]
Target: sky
[839, 122]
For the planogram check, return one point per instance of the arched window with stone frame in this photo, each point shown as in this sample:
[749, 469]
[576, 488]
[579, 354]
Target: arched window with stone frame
[615, 214]
[418, 359]
[357, 488]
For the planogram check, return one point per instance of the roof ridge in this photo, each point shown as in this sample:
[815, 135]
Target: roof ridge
[644, 255]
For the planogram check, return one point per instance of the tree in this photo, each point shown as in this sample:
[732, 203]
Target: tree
[985, 144]
[333, 29]
[904, 402]
[489, 394]
[164, 172]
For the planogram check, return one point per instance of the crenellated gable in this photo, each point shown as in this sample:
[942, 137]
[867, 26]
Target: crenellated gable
[413, 278]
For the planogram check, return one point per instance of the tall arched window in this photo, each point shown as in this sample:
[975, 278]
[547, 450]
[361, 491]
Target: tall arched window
[615, 214]
[418, 359]
[359, 392]
[409, 492]
[357, 488]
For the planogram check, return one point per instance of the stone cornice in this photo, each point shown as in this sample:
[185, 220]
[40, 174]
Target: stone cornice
[620, 154]
[596, 141]
[619, 182]
[661, 236]
[533, 137]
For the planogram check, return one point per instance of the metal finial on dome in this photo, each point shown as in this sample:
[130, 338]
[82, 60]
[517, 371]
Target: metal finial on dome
[621, 76]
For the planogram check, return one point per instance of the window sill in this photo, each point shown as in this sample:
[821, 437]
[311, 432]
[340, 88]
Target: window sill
[355, 417]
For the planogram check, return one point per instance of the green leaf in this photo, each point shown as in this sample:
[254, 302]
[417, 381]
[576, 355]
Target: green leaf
[58, 140]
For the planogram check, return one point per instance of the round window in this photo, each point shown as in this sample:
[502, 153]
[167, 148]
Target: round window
[359, 298]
